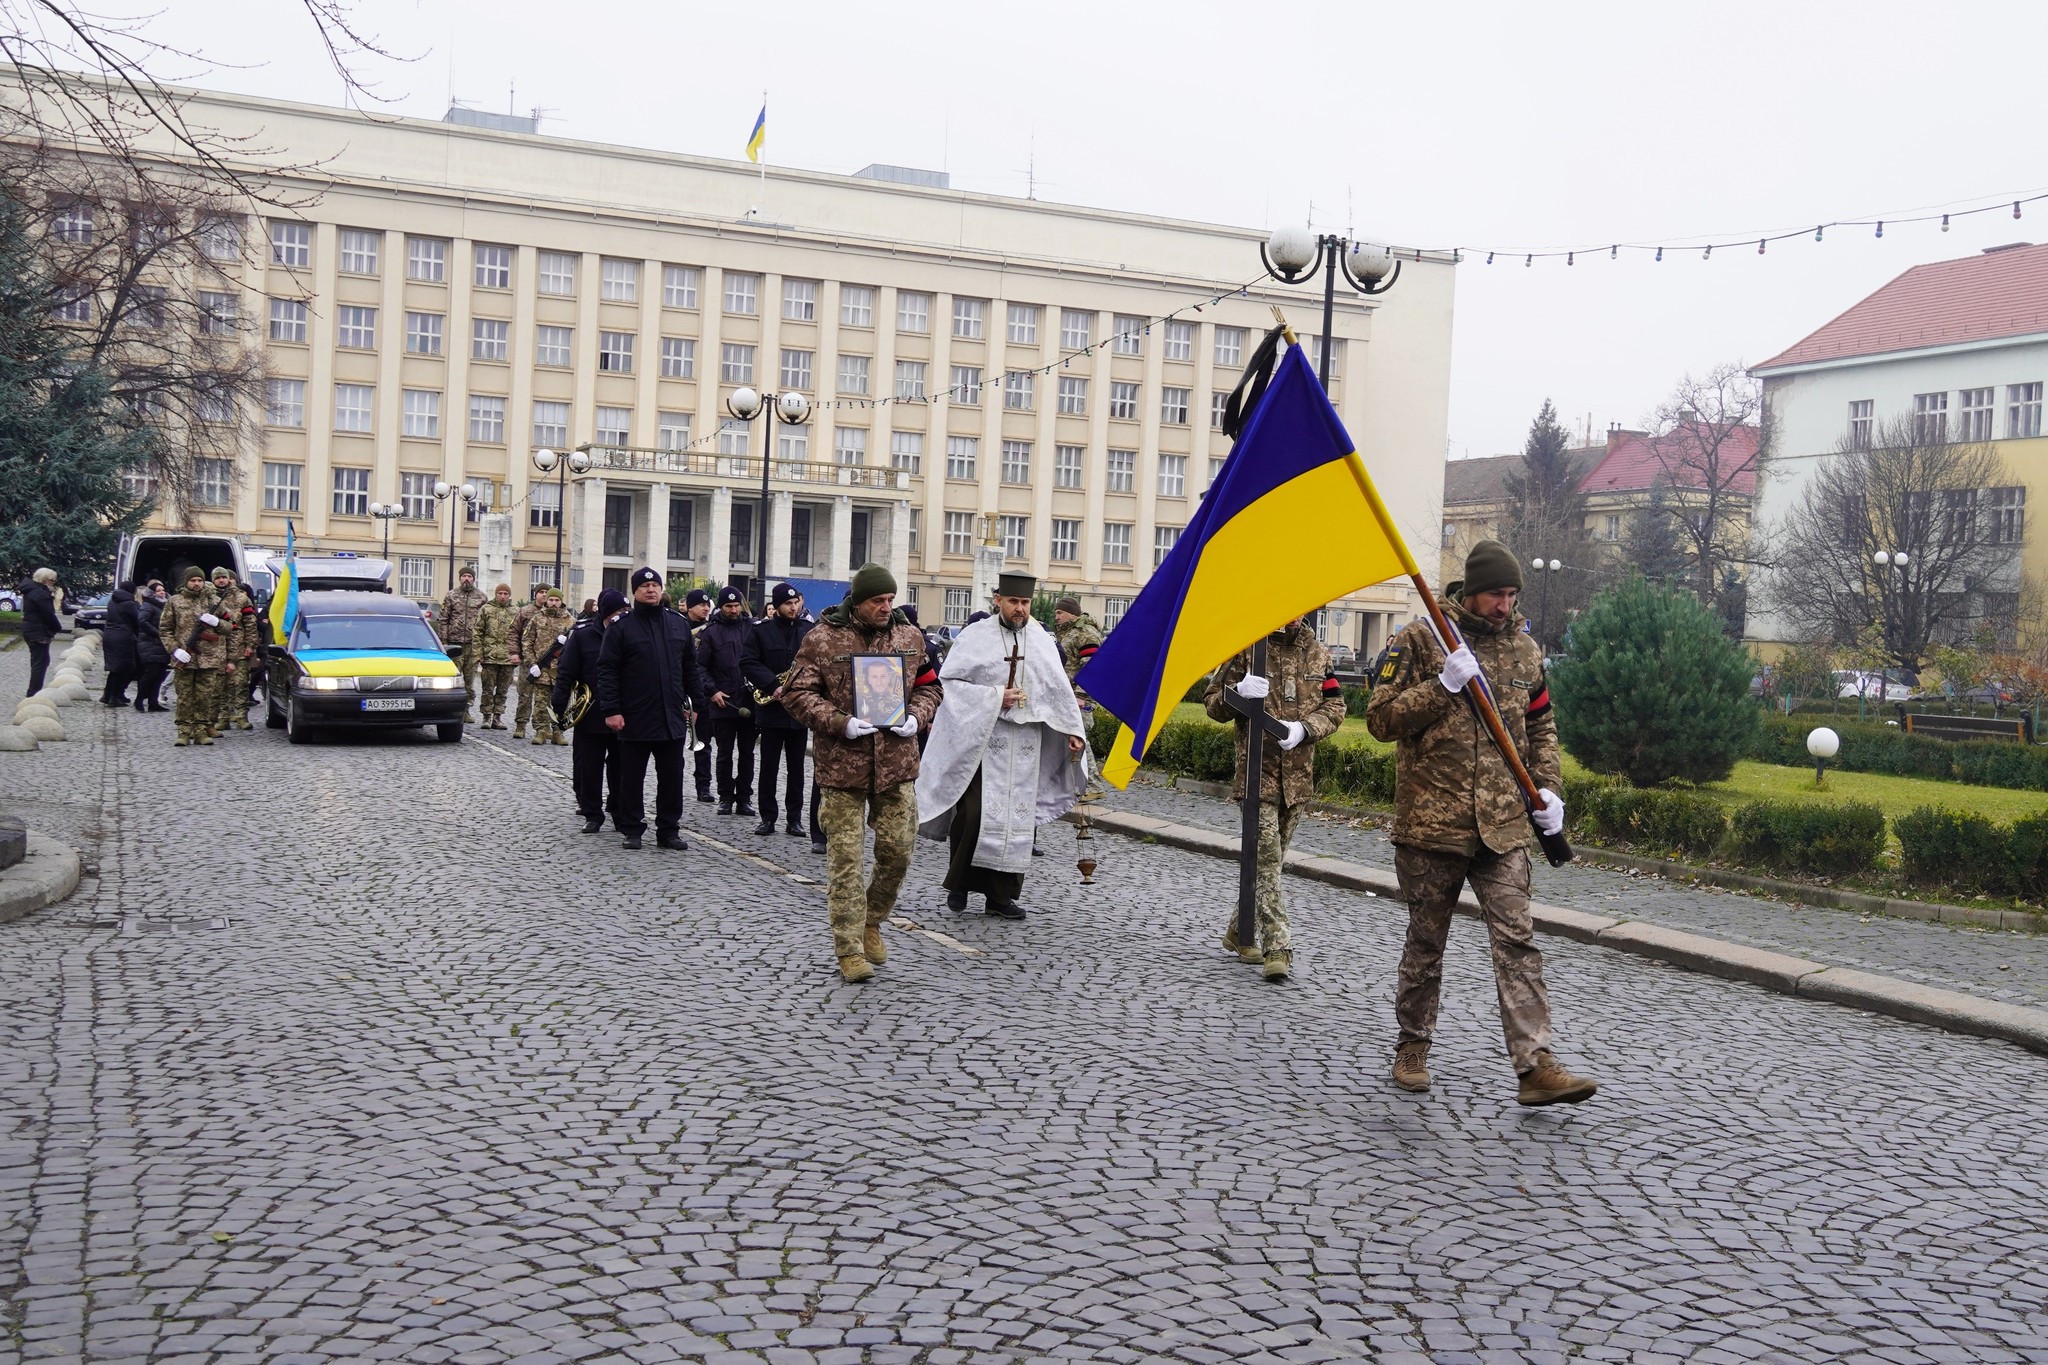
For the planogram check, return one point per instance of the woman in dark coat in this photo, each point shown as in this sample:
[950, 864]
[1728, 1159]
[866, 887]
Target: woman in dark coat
[152, 663]
[118, 638]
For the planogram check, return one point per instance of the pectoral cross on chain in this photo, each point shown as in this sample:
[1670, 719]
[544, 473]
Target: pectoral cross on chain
[1015, 656]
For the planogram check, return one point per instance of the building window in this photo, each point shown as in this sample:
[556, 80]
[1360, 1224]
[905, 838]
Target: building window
[1930, 418]
[539, 576]
[139, 481]
[1173, 476]
[796, 369]
[910, 379]
[734, 437]
[1023, 324]
[287, 320]
[73, 223]
[355, 329]
[1017, 462]
[215, 405]
[906, 451]
[553, 346]
[146, 306]
[959, 605]
[853, 374]
[1219, 405]
[1013, 531]
[493, 266]
[793, 443]
[850, 445]
[959, 533]
[679, 286]
[2022, 410]
[1130, 335]
[1315, 351]
[1066, 541]
[1975, 405]
[1116, 542]
[615, 352]
[800, 537]
[550, 425]
[284, 403]
[423, 333]
[544, 508]
[1122, 471]
[291, 244]
[960, 456]
[213, 482]
[352, 404]
[913, 313]
[1163, 541]
[1860, 418]
[856, 305]
[1066, 466]
[1613, 527]
[281, 486]
[966, 384]
[359, 251]
[473, 509]
[1075, 328]
[421, 414]
[1073, 396]
[970, 319]
[1230, 345]
[220, 236]
[415, 576]
[486, 419]
[1180, 341]
[735, 363]
[1173, 406]
[800, 300]
[73, 305]
[740, 542]
[618, 524]
[682, 517]
[1123, 401]
[217, 313]
[351, 491]
[1113, 609]
[416, 497]
[614, 426]
[678, 358]
[742, 293]
[672, 430]
[558, 273]
[2005, 513]
[490, 339]
[1018, 391]
[426, 258]
[618, 281]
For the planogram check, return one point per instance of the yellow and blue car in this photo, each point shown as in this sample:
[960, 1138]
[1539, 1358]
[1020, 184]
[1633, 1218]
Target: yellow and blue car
[362, 659]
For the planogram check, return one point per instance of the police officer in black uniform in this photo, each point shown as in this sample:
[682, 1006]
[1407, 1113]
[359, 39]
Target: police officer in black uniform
[593, 758]
[771, 649]
[697, 609]
[720, 646]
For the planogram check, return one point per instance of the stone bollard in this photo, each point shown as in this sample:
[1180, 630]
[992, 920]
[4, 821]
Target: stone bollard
[44, 728]
[16, 739]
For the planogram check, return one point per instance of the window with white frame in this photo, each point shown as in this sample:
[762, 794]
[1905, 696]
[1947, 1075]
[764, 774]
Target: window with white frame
[1066, 466]
[1230, 345]
[281, 485]
[796, 368]
[1123, 400]
[139, 481]
[490, 339]
[618, 281]
[1219, 407]
[854, 374]
[913, 312]
[493, 266]
[1016, 462]
[735, 363]
[2005, 515]
[1173, 406]
[1180, 341]
[284, 403]
[543, 513]
[615, 352]
[355, 328]
[850, 445]
[2022, 410]
[146, 306]
[1975, 411]
[959, 533]
[288, 320]
[959, 606]
[1930, 418]
[415, 576]
[970, 319]
[910, 379]
[72, 223]
[672, 431]
[1075, 329]
[734, 437]
[550, 426]
[1018, 391]
[426, 258]
[539, 575]
[291, 244]
[742, 293]
[351, 491]
[215, 404]
[1215, 470]
[1023, 324]
[1073, 395]
[800, 300]
[1013, 532]
[961, 452]
[213, 482]
[423, 333]
[916, 536]
[614, 426]
[856, 305]
[218, 313]
[1315, 353]
[352, 406]
[906, 451]
[1163, 541]
[220, 236]
[1116, 542]
[1130, 335]
[73, 304]
[359, 251]
[486, 419]
[793, 443]
[1861, 417]
[557, 273]
[1173, 476]
[966, 384]
[1113, 609]
[1121, 471]
[678, 358]
[416, 497]
[679, 286]
[1066, 541]
[554, 346]
[420, 414]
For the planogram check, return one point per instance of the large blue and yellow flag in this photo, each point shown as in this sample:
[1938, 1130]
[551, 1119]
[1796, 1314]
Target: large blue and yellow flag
[1292, 522]
[284, 598]
[757, 139]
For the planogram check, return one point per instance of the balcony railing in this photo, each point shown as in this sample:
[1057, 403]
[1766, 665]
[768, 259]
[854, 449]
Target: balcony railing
[744, 470]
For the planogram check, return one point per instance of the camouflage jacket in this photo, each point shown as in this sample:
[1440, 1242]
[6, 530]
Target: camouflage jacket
[1453, 792]
[527, 611]
[238, 609]
[497, 633]
[180, 619]
[1078, 640]
[457, 617]
[819, 694]
[1302, 688]
[539, 640]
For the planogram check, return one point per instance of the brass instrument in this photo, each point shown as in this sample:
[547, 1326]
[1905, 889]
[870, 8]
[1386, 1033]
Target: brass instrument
[578, 706]
[768, 698]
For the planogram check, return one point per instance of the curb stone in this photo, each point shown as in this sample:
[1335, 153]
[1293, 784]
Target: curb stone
[1954, 1011]
[47, 875]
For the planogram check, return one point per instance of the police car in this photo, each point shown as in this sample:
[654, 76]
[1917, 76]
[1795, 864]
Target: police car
[359, 656]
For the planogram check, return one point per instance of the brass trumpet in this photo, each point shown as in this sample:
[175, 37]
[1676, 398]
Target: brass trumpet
[768, 698]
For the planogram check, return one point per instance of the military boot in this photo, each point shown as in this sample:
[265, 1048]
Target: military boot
[519, 732]
[1549, 1083]
[182, 741]
[1279, 962]
[1244, 954]
[558, 738]
[855, 968]
[872, 947]
[1411, 1066]
[538, 737]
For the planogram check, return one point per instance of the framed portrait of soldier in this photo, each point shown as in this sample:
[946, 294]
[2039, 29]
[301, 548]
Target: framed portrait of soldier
[878, 695]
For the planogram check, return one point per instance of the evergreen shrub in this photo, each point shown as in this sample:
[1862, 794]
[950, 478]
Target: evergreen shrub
[1806, 836]
[1684, 822]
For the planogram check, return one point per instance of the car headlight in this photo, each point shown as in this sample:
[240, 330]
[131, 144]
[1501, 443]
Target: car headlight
[441, 684]
[328, 684]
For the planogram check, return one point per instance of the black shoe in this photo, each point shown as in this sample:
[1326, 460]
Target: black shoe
[725, 808]
[794, 830]
[817, 845]
[705, 797]
[956, 901]
[630, 841]
[113, 701]
[139, 706]
[744, 808]
[1006, 910]
[765, 827]
[157, 710]
[1037, 852]
[593, 824]
[670, 841]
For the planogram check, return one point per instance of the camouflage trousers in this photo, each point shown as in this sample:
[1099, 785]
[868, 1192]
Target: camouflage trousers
[497, 679]
[198, 705]
[528, 689]
[537, 694]
[231, 697]
[1276, 832]
[853, 901]
[1430, 883]
[467, 666]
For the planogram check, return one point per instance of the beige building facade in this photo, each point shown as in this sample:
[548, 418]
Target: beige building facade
[460, 297]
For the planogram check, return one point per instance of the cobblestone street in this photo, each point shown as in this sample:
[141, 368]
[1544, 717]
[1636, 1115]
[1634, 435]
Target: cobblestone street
[360, 1051]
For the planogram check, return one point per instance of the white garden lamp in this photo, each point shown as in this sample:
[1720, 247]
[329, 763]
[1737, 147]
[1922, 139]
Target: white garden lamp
[1823, 744]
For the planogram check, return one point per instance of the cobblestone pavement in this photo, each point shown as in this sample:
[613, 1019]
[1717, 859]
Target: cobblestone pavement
[451, 1082]
[1994, 964]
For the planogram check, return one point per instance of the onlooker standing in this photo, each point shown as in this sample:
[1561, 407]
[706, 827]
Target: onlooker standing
[646, 666]
[153, 661]
[117, 638]
[457, 619]
[697, 609]
[594, 748]
[720, 647]
[496, 645]
[771, 649]
[39, 624]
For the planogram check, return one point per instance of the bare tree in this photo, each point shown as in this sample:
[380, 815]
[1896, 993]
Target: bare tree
[1711, 434]
[1906, 489]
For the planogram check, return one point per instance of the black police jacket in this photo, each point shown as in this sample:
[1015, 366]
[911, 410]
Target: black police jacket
[646, 667]
[771, 649]
[720, 646]
[578, 664]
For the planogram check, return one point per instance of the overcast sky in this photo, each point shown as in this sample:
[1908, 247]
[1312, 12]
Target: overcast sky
[1504, 126]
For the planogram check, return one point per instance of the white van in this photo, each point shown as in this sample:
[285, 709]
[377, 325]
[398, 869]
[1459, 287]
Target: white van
[166, 555]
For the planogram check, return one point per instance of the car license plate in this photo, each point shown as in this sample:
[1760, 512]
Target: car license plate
[387, 703]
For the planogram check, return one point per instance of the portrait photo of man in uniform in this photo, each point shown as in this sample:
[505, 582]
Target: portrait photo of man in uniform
[878, 689]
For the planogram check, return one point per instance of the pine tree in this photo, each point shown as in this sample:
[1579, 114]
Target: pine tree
[1546, 507]
[1652, 545]
[63, 441]
[1653, 690]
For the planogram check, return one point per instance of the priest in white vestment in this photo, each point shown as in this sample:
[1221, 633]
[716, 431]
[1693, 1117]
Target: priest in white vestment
[1008, 751]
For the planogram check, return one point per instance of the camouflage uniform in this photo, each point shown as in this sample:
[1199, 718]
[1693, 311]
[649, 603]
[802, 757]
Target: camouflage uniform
[527, 688]
[1302, 688]
[1459, 817]
[1078, 640]
[456, 622]
[537, 644]
[495, 642]
[197, 680]
[236, 609]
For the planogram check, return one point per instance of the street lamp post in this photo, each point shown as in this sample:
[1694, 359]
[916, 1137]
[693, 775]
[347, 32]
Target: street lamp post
[445, 492]
[794, 409]
[547, 461]
[1887, 562]
[386, 512]
[1546, 569]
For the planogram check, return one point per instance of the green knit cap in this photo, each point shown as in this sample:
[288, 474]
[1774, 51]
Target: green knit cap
[1489, 568]
[870, 580]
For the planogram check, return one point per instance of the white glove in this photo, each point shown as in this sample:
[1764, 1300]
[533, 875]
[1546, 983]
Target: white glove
[209, 618]
[1296, 733]
[1253, 687]
[908, 729]
[856, 727]
[181, 656]
[533, 672]
[1459, 668]
[1550, 819]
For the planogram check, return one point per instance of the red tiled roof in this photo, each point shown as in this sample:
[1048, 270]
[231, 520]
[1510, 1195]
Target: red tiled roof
[1999, 293]
[1636, 460]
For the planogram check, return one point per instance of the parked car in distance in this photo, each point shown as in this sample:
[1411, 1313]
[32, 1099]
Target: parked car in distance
[10, 600]
[89, 613]
[1851, 683]
[1343, 658]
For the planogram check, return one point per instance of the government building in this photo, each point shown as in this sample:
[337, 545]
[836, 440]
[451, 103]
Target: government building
[459, 296]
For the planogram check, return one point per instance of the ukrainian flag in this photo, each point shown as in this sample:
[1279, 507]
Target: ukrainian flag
[759, 137]
[284, 599]
[1292, 522]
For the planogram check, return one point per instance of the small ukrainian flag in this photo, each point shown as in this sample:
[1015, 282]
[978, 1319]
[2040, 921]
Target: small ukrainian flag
[759, 136]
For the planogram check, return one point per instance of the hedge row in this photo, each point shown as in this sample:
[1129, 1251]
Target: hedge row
[1972, 853]
[1891, 751]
